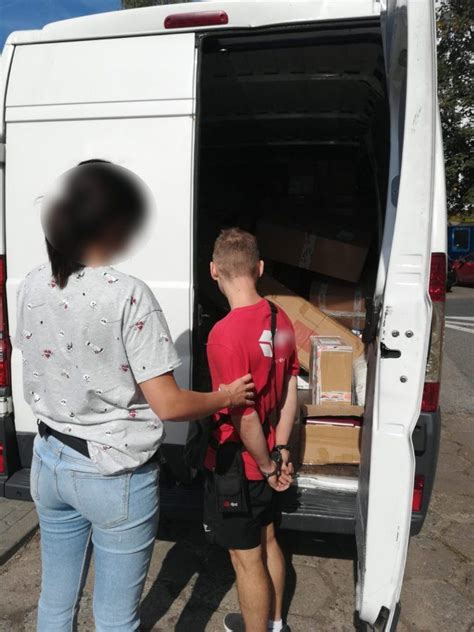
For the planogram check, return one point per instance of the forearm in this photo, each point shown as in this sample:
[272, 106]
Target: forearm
[287, 413]
[172, 403]
[252, 436]
[191, 405]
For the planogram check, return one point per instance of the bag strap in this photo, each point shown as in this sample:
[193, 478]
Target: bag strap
[273, 323]
[273, 326]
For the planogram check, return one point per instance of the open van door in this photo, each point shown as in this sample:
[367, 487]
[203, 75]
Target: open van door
[397, 357]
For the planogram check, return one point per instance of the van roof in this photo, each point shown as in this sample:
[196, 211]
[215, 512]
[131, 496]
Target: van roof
[150, 20]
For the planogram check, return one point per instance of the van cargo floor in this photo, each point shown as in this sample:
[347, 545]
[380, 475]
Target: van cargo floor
[324, 510]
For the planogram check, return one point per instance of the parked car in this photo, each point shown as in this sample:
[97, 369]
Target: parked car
[208, 103]
[464, 270]
[451, 275]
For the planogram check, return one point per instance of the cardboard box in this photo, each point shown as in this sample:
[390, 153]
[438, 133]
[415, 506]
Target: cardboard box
[330, 370]
[328, 250]
[322, 444]
[331, 409]
[307, 320]
[342, 301]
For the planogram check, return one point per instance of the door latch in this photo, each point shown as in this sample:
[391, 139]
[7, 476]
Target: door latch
[385, 352]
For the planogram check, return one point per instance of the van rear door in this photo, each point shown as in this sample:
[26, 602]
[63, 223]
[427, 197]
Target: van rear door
[397, 358]
[129, 100]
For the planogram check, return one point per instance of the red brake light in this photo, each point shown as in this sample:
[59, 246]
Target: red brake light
[5, 347]
[437, 287]
[418, 493]
[197, 18]
[429, 402]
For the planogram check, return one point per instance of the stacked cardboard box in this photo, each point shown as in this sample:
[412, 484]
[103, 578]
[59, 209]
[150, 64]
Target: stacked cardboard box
[307, 320]
[331, 434]
[343, 301]
[326, 249]
[330, 370]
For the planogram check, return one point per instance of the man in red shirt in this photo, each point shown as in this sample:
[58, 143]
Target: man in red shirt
[243, 342]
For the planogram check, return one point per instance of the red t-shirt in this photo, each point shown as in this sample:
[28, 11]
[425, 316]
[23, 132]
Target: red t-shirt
[241, 343]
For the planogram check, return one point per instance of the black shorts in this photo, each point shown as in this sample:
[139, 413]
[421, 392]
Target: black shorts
[238, 530]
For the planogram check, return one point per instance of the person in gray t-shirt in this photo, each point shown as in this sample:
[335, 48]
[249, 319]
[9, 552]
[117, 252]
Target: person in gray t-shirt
[98, 364]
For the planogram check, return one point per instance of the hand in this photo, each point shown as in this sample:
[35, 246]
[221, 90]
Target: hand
[241, 391]
[286, 464]
[279, 483]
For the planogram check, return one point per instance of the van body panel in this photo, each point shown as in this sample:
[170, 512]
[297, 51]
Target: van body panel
[150, 132]
[98, 71]
[383, 512]
[439, 235]
[242, 14]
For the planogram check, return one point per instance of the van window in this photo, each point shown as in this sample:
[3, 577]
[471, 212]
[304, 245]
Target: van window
[461, 239]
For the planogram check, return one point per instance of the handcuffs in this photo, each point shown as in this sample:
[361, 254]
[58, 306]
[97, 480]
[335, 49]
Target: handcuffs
[275, 456]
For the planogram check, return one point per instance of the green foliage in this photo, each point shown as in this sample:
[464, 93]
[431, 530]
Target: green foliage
[456, 99]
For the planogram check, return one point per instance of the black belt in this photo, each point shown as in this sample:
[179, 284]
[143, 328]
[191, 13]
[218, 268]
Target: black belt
[80, 445]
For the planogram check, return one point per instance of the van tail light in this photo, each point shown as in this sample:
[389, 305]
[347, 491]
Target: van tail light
[418, 489]
[2, 459]
[437, 292]
[5, 347]
[196, 18]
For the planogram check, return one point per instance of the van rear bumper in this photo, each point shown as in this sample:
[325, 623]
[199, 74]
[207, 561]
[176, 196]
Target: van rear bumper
[323, 511]
[334, 512]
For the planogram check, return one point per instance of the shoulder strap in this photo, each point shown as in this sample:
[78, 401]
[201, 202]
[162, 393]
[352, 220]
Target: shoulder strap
[273, 324]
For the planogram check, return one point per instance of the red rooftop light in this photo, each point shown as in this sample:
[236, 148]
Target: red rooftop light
[197, 18]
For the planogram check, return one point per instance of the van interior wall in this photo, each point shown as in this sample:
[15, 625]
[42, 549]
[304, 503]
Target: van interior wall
[293, 128]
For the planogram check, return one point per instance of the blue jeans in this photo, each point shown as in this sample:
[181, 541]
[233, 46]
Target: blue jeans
[81, 511]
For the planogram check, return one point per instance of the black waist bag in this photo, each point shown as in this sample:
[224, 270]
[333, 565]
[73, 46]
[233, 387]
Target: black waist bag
[230, 482]
[197, 442]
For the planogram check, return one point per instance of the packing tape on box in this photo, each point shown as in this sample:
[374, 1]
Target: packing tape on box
[308, 250]
[357, 314]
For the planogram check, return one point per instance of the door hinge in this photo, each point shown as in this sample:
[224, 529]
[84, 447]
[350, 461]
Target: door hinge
[2, 153]
[372, 314]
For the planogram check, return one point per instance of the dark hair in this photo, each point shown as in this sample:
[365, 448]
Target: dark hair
[100, 202]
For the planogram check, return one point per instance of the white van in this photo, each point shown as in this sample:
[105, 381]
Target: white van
[204, 101]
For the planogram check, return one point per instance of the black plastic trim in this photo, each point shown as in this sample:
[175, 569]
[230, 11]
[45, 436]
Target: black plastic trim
[18, 486]
[11, 457]
[426, 461]
[25, 447]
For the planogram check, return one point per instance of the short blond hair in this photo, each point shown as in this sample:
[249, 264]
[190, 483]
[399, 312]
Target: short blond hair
[236, 253]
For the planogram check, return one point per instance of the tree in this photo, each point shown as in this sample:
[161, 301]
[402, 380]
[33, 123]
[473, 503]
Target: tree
[456, 99]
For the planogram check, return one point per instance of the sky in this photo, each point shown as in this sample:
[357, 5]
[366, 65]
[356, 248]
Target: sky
[17, 15]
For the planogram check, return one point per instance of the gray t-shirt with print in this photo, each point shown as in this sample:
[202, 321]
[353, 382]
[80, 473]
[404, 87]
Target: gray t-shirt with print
[85, 350]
